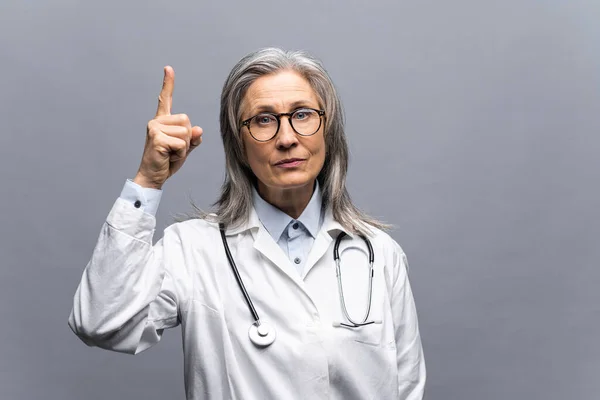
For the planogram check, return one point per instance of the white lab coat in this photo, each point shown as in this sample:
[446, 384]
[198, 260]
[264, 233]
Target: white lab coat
[131, 291]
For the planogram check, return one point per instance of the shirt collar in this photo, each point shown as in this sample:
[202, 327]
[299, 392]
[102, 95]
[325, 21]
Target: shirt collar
[275, 221]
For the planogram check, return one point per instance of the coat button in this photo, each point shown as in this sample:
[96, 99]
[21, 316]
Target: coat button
[137, 204]
[297, 260]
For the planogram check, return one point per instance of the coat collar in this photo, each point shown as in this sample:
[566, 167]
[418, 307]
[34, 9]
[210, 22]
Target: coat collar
[330, 226]
[268, 247]
[252, 223]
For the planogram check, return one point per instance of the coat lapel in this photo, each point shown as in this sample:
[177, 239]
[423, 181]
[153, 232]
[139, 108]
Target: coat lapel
[266, 245]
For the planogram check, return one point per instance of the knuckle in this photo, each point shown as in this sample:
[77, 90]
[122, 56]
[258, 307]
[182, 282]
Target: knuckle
[178, 132]
[175, 145]
[185, 133]
[183, 118]
[181, 145]
[153, 130]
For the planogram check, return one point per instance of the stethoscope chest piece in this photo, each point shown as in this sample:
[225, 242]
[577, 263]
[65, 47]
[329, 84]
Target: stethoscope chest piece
[262, 335]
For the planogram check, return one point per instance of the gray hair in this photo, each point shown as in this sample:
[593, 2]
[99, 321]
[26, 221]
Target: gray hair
[235, 201]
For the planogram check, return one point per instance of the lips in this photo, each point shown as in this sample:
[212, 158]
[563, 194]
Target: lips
[289, 161]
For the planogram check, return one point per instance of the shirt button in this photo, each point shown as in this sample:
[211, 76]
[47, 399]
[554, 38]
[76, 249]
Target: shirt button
[137, 204]
[297, 260]
[295, 226]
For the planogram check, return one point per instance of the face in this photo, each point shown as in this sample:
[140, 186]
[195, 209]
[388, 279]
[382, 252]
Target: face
[283, 92]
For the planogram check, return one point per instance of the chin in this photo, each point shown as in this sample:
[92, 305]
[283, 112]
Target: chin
[294, 183]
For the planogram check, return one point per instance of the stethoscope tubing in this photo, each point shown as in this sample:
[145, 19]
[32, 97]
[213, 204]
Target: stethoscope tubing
[238, 277]
[338, 272]
[263, 335]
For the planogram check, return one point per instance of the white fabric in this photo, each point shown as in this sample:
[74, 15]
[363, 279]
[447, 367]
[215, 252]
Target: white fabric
[131, 291]
[295, 242]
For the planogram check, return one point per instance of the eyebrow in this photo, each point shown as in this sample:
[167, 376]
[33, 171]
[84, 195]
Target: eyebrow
[295, 105]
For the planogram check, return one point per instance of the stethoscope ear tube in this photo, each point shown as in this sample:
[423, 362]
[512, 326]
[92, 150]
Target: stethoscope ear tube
[336, 256]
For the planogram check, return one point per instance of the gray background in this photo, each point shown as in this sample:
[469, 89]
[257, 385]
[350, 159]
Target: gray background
[473, 127]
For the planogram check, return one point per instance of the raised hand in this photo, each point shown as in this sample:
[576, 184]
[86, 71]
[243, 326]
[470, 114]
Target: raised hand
[169, 139]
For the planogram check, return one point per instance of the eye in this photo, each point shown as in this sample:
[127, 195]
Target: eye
[303, 114]
[264, 120]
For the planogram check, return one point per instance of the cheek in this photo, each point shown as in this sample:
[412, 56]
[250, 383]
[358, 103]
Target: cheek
[320, 151]
[257, 160]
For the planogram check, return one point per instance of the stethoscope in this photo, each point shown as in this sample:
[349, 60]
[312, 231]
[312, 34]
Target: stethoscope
[262, 334]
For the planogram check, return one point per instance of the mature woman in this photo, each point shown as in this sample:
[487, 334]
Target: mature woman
[288, 291]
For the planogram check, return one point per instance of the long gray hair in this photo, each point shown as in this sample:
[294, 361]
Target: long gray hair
[235, 201]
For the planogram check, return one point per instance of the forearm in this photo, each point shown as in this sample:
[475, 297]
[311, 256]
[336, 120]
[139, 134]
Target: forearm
[122, 278]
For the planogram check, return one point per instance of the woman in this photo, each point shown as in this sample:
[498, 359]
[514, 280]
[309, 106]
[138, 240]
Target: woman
[282, 208]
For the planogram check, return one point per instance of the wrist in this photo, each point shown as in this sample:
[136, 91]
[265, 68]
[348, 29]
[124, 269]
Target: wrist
[144, 182]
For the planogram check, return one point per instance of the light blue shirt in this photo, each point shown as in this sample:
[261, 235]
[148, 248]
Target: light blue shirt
[294, 236]
[146, 199]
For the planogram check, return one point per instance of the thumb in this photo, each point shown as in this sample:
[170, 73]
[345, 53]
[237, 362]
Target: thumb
[196, 138]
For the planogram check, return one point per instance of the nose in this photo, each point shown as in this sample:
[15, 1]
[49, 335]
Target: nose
[286, 137]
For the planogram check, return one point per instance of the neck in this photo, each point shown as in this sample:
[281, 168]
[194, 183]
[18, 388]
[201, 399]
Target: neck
[290, 201]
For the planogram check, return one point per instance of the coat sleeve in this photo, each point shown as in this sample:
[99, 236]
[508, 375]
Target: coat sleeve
[410, 359]
[127, 296]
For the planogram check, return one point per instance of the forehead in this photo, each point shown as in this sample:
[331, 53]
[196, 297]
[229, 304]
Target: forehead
[278, 92]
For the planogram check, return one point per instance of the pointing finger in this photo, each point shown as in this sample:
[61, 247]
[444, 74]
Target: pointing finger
[165, 99]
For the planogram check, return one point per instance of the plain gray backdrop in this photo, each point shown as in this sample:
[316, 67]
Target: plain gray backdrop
[473, 127]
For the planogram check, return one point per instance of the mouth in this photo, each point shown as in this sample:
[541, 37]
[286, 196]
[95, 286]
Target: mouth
[289, 162]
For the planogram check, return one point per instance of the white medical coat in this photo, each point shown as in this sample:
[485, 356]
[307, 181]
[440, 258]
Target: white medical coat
[131, 291]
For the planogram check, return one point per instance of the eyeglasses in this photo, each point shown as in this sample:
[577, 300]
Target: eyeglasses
[265, 126]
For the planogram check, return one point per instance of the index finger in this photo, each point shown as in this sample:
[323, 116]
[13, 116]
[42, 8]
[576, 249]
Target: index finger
[165, 98]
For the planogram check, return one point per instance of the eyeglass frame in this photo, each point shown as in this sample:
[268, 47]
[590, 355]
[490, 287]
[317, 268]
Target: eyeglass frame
[278, 116]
